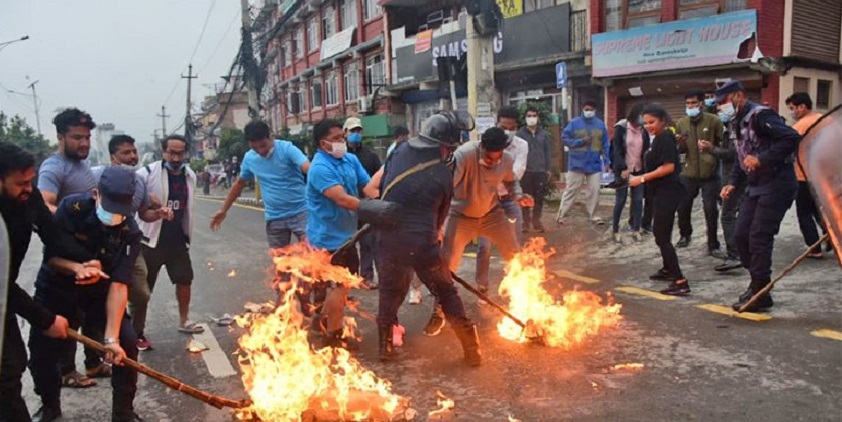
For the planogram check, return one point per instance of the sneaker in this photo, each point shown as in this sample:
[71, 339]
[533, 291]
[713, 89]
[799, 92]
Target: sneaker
[46, 414]
[763, 304]
[815, 255]
[677, 288]
[661, 275]
[597, 221]
[435, 324]
[617, 238]
[683, 242]
[414, 296]
[717, 253]
[728, 265]
[646, 231]
[561, 221]
[143, 343]
[637, 236]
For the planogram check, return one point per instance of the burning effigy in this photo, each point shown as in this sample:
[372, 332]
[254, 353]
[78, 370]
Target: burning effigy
[556, 323]
[288, 379]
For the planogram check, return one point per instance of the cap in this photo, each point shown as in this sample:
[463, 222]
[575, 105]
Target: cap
[729, 87]
[116, 190]
[352, 123]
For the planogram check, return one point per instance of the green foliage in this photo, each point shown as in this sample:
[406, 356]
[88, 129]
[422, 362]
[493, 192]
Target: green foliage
[544, 111]
[198, 164]
[302, 140]
[232, 143]
[15, 130]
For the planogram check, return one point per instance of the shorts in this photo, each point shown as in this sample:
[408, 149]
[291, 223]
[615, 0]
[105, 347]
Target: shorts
[175, 257]
[279, 231]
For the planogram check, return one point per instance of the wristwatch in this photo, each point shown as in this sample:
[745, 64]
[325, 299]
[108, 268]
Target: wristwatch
[111, 340]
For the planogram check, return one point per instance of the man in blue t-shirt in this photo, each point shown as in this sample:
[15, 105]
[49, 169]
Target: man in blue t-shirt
[280, 167]
[333, 182]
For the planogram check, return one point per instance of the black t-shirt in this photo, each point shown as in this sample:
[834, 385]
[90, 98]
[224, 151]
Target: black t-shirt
[662, 150]
[172, 232]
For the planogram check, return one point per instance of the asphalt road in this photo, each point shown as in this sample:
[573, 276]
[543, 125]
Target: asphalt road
[698, 365]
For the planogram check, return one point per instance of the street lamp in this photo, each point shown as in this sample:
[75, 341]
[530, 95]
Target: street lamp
[4, 44]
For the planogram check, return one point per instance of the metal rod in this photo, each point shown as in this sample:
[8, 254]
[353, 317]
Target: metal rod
[783, 273]
[175, 384]
[485, 297]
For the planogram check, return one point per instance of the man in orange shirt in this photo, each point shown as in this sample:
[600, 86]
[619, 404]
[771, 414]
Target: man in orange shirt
[801, 110]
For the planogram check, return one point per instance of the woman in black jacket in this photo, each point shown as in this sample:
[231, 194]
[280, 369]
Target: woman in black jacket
[629, 144]
[661, 162]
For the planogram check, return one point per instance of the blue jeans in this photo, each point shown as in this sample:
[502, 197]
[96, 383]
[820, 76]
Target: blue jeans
[279, 232]
[513, 212]
[636, 211]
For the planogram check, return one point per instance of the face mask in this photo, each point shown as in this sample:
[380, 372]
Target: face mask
[589, 114]
[640, 121]
[107, 218]
[727, 112]
[338, 150]
[355, 137]
[693, 112]
[709, 102]
[509, 133]
[532, 121]
[794, 115]
[128, 167]
[175, 167]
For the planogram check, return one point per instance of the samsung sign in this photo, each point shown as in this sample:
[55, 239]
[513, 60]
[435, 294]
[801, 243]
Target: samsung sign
[526, 37]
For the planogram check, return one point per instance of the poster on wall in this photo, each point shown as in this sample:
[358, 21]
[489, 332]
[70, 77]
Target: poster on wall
[510, 8]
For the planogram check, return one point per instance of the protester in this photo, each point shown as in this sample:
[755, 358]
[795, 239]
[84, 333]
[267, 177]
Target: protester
[710, 101]
[537, 177]
[661, 175]
[587, 138]
[698, 134]
[353, 129]
[801, 110]
[765, 145]
[629, 145]
[102, 223]
[67, 172]
[23, 209]
[205, 177]
[519, 150]
[166, 243]
[419, 181]
[401, 134]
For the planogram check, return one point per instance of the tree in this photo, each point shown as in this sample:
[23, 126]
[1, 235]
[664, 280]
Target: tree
[15, 130]
[543, 112]
[232, 143]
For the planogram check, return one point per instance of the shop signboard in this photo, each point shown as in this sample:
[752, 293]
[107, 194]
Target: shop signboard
[683, 44]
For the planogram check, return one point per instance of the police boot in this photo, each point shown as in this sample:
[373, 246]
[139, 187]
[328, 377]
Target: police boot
[467, 335]
[47, 414]
[387, 347]
[765, 302]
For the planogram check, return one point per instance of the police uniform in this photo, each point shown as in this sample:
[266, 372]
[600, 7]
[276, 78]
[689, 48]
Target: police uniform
[117, 249]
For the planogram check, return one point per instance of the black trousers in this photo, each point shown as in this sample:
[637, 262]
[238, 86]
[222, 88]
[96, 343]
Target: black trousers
[648, 208]
[666, 200]
[730, 208]
[710, 189]
[45, 351]
[757, 224]
[12, 406]
[808, 216]
[534, 183]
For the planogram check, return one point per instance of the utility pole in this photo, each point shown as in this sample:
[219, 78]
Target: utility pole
[249, 65]
[163, 117]
[188, 123]
[35, 103]
[481, 95]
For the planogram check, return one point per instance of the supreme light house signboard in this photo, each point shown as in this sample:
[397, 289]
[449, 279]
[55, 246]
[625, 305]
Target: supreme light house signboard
[684, 44]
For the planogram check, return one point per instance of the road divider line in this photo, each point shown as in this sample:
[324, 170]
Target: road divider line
[216, 360]
[469, 254]
[725, 310]
[825, 333]
[248, 207]
[577, 277]
[644, 292]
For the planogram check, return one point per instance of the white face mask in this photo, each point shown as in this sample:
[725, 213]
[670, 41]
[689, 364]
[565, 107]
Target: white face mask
[509, 133]
[532, 121]
[727, 112]
[338, 149]
[589, 114]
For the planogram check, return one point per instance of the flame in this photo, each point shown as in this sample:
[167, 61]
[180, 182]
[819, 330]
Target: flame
[446, 406]
[284, 376]
[627, 367]
[564, 324]
[512, 419]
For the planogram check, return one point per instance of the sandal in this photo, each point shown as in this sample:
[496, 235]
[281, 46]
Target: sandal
[191, 327]
[74, 379]
[103, 370]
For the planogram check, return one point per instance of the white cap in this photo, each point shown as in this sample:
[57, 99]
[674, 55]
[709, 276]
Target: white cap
[352, 123]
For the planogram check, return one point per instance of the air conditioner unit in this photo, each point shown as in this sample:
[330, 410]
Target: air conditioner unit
[364, 104]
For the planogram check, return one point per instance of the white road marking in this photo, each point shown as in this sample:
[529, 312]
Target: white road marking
[217, 361]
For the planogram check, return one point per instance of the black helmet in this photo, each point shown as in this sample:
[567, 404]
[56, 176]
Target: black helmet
[443, 128]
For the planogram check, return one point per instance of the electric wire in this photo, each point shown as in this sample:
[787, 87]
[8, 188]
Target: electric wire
[202, 34]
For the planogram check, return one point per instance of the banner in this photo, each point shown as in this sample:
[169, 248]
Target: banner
[510, 8]
[684, 44]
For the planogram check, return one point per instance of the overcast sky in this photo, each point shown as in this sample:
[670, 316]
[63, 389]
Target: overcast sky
[119, 60]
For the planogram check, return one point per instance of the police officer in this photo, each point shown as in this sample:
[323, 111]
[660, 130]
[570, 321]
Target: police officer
[765, 147]
[418, 179]
[23, 210]
[101, 222]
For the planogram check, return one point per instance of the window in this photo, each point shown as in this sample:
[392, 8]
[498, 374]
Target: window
[348, 10]
[823, 89]
[801, 84]
[328, 22]
[533, 5]
[690, 9]
[613, 15]
[294, 105]
[312, 34]
[370, 9]
[298, 42]
[643, 13]
[315, 93]
[351, 79]
[374, 73]
[734, 5]
[287, 52]
[331, 95]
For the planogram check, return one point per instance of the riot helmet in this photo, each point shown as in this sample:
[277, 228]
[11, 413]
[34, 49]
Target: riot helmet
[443, 129]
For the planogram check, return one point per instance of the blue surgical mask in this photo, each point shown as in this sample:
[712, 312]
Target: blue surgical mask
[709, 102]
[174, 168]
[108, 218]
[727, 112]
[693, 112]
[355, 137]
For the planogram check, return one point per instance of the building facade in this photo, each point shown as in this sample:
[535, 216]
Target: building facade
[99, 147]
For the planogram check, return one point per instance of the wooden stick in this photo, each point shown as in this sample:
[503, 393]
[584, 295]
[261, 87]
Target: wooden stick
[485, 297]
[213, 400]
[353, 240]
[783, 273]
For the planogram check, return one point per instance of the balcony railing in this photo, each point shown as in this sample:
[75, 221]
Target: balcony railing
[579, 30]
